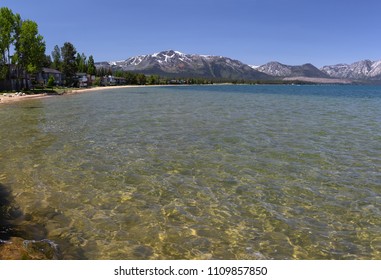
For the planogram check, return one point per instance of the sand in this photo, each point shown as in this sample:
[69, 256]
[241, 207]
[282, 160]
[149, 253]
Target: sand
[12, 98]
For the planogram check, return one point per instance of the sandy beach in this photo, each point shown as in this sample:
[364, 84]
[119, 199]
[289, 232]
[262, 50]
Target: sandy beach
[81, 90]
[12, 97]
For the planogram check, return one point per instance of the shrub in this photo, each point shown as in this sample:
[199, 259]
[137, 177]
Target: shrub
[51, 82]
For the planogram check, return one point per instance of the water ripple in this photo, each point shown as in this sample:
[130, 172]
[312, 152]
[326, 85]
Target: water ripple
[201, 172]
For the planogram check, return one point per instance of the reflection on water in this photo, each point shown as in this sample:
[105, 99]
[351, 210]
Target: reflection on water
[200, 172]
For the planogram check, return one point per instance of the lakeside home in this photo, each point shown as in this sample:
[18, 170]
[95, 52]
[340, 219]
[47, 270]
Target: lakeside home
[113, 81]
[16, 79]
[43, 76]
[83, 81]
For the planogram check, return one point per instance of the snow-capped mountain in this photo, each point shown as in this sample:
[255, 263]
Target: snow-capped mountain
[361, 70]
[277, 69]
[177, 64]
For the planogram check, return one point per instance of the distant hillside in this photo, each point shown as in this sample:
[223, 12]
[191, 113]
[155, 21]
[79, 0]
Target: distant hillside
[277, 69]
[361, 70]
[176, 64]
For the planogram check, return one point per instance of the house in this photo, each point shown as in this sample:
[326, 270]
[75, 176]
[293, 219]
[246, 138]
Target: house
[43, 77]
[110, 81]
[120, 80]
[82, 79]
[16, 80]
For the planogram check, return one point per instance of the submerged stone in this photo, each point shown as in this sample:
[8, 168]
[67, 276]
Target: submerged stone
[143, 252]
[19, 249]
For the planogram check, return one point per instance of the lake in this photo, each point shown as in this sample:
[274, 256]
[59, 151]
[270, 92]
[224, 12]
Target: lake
[198, 172]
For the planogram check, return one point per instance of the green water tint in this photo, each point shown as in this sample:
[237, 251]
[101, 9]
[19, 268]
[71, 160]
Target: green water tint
[199, 172]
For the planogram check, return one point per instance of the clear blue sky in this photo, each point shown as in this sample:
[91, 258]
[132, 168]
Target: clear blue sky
[293, 32]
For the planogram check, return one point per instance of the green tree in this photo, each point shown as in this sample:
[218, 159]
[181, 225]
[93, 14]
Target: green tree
[30, 48]
[47, 61]
[154, 79]
[119, 73]
[91, 66]
[100, 72]
[81, 63]
[97, 81]
[51, 82]
[8, 22]
[141, 79]
[69, 66]
[56, 55]
[131, 78]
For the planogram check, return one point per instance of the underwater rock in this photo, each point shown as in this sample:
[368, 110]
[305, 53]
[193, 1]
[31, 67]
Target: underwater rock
[143, 252]
[19, 249]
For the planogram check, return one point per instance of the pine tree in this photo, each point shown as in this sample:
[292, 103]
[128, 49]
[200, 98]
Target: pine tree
[69, 67]
[91, 66]
[81, 63]
[56, 55]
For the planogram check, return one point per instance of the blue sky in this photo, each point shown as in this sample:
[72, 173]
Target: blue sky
[321, 32]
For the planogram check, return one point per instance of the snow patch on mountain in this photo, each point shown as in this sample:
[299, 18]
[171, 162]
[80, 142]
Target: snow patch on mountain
[179, 64]
[277, 69]
[360, 70]
[176, 63]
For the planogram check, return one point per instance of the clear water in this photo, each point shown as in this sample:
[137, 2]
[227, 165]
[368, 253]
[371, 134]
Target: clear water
[207, 172]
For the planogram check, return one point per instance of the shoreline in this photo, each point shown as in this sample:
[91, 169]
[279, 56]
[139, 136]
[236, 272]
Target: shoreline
[16, 98]
[100, 88]
[13, 99]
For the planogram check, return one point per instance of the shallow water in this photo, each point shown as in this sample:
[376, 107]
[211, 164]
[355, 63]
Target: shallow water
[206, 172]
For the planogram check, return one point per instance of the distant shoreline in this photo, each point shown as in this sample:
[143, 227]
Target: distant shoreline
[13, 98]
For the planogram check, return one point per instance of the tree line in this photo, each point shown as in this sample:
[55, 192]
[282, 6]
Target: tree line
[67, 60]
[135, 78]
[21, 47]
[22, 52]
[22, 55]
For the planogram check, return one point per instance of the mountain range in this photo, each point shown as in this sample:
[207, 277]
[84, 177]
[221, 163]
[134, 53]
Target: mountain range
[277, 69]
[176, 65]
[361, 70]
